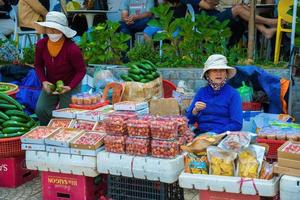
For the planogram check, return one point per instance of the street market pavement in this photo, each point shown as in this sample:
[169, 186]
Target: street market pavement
[32, 191]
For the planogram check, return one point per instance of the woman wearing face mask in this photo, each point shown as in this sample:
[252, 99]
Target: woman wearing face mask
[57, 58]
[216, 107]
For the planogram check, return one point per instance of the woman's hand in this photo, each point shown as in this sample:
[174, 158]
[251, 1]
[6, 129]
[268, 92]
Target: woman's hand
[65, 89]
[46, 86]
[199, 105]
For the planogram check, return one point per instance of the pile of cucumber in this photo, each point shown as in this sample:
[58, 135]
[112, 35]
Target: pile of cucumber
[13, 121]
[143, 72]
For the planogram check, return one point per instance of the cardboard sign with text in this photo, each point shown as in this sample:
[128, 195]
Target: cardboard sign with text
[162, 107]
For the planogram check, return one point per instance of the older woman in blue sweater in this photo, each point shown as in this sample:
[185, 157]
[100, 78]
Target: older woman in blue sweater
[216, 107]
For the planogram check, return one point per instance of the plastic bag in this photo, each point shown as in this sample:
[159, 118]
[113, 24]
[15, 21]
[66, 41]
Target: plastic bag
[266, 171]
[221, 162]
[250, 161]
[196, 164]
[235, 141]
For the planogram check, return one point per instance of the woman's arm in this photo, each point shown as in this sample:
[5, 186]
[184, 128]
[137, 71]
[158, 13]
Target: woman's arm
[39, 62]
[191, 114]
[78, 64]
[37, 7]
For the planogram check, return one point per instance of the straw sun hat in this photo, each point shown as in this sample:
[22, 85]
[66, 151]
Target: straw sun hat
[56, 20]
[218, 61]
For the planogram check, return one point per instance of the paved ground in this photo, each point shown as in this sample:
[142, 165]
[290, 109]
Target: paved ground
[32, 191]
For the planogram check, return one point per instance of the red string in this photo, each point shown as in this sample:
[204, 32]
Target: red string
[242, 181]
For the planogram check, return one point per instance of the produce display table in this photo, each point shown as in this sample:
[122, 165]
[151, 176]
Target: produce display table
[63, 163]
[247, 186]
[154, 169]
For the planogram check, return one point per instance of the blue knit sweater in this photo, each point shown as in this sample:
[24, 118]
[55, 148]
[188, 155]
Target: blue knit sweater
[223, 110]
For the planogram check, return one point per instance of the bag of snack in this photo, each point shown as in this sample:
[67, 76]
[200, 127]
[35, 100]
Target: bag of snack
[235, 141]
[221, 162]
[201, 142]
[250, 161]
[196, 164]
[266, 171]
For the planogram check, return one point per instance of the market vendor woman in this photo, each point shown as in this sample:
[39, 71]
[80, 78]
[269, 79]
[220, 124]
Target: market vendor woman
[216, 107]
[57, 58]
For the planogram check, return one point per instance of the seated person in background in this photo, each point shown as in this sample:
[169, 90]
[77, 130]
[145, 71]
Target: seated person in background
[238, 11]
[179, 11]
[135, 15]
[216, 107]
[31, 11]
[6, 23]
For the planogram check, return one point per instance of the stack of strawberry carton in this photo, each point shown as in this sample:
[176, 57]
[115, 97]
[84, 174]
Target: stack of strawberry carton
[148, 135]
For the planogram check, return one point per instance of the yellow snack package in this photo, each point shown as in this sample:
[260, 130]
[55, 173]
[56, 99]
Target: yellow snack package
[196, 164]
[221, 162]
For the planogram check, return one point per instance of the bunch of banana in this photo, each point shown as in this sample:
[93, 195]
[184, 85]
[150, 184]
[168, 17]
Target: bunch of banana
[143, 71]
[13, 121]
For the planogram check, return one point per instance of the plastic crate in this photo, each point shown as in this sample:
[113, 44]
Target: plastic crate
[13, 172]
[273, 146]
[10, 147]
[59, 186]
[124, 188]
[251, 106]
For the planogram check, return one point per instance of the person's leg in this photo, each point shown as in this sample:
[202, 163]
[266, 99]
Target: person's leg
[124, 28]
[7, 26]
[65, 99]
[149, 31]
[267, 32]
[244, 13]
[44, 107]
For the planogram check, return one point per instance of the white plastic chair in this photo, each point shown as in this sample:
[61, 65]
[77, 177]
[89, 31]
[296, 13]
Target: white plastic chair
[24, 34]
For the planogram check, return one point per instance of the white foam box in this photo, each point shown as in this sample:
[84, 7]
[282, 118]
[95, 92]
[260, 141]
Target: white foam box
[70, 113]
[230, 184]
[130, 106]
[62, 163]
[56, 149]
[145, 111]
[86, 152]
[289, 188]
[155, 169]
[37, 147]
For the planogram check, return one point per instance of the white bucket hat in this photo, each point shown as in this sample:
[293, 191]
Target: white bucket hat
[218, 61]
[56, 20]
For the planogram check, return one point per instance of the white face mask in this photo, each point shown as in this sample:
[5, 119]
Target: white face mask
[55, 37]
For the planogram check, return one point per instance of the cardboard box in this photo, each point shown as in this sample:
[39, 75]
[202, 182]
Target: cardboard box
[95, 138]
[63, 137]
[286, 170]
[130, 106]
[60, 123]
[161, 107]
[281, 151]
[67, 112]
[289, 163]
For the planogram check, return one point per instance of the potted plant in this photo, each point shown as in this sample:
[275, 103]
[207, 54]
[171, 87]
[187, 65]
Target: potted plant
[103, 44]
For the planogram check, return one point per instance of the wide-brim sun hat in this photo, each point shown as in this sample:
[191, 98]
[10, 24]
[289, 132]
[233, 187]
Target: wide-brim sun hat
[56, 20]
[218, 61]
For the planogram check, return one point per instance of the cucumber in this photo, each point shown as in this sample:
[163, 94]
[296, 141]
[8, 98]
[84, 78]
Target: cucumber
[145, 66]
[134, 71]
[125, 77]
[149, 63]
[9, 130]
[30, 124]
[18, 119]
[134, 77]
[144, 80]
[17, 113]
[12, 134]
[155, 75]
[3, 101]
[10, 100]
[2, 120]
[149, 76]
[11, 123]
[134, 67]
[3, 116]
[7, 106]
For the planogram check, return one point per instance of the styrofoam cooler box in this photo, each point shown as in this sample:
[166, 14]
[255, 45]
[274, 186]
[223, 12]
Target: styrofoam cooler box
[63, 163]
[58, 186]
[155, 169]
[13, 172]
[230, 184]
[290, 188]
[248, 120]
